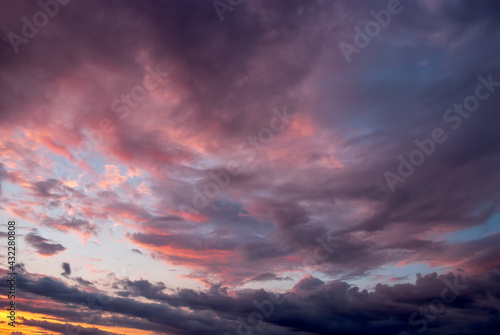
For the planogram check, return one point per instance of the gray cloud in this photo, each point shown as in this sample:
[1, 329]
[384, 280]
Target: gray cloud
[43, 246]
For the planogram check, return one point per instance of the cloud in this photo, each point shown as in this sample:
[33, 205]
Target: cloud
[43, 246]
[143, 288]
[268, 277]
[308, 284]
[83, 282]
[44, 188]
[67, 269]
[313, 305]
[310, 185]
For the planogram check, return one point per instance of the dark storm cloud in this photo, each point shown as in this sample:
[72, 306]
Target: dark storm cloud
[313, 305]
[172, 320]
[337, 302]
[43, 246]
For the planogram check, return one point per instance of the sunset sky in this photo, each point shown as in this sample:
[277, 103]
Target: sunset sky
[251, 166]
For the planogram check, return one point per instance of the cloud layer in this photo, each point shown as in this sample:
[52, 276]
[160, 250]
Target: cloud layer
[193, 157]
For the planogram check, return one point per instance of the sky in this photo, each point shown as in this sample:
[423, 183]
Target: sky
[251, 167]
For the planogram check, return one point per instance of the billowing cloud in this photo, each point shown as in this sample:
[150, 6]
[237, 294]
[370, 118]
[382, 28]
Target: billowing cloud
[445, 303]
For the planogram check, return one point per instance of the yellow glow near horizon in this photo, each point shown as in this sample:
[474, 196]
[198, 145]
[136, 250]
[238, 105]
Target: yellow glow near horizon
[5, 329]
